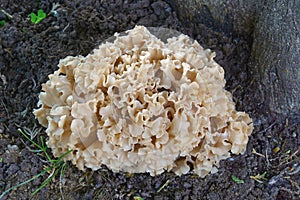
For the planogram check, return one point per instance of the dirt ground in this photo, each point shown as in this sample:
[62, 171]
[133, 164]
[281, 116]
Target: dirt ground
[269, 168]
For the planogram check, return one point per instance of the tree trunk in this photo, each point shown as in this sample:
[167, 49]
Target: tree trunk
[276, 55]
[236, 17]
[275, 29]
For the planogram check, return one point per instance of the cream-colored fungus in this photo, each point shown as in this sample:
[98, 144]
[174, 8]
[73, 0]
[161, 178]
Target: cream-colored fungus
[141, 105]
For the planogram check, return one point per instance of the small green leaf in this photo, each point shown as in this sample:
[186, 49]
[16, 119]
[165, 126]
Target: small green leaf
[33, 18]
[41, 14]
[2, 22]
[236, 179]
[39, 17]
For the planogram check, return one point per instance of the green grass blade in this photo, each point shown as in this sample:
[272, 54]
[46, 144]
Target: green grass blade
[58, 165]
[62, 172]
[21, 184]
[44, 147]
[48, 180]
[64, 154]
[33, 142]
[236, 179]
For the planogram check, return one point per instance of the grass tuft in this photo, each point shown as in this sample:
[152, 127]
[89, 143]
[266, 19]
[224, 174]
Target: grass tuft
[55, 166]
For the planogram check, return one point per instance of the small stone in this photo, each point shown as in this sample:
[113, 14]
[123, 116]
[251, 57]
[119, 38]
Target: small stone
[12, 148]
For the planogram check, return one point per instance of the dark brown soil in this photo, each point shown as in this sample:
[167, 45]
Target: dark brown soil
[29, 52]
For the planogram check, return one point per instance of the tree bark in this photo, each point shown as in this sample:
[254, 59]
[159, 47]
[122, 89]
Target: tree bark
[231, 17]
[276, 55]
[274, 28]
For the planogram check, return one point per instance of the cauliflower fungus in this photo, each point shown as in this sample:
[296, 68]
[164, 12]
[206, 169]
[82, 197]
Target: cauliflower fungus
[141, 105]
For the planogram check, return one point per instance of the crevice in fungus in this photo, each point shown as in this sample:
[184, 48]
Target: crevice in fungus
[98, 115]
[194, 158]
[180, 111]
[118, 61]
[67, 130]
[180, 158]
[117, 136]
[169, 104]
[45, 106]
[170, 115]
[137, 147]
[191, 165]
[177, 73]
[115, 90]
[153, 140]
[80, 146]
[140, 98]
[61, 73]
[196, 150]
[71, 79]
[222, 130]
[60, 94]
[191, 75]
[226, 141]
[74, 152]
[104, 90]
[162, 89]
